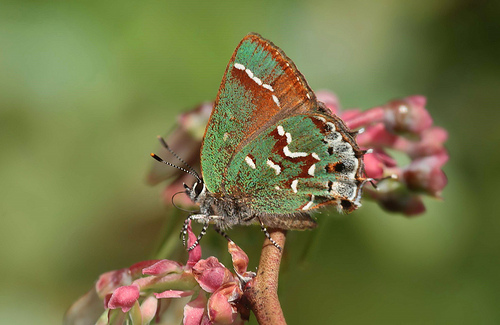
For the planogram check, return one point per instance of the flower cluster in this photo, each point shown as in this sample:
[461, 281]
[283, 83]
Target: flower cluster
[403, 126]
[143, 293]
[208, 292]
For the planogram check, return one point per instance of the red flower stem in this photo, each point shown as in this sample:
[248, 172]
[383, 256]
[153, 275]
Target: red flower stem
[262, 294]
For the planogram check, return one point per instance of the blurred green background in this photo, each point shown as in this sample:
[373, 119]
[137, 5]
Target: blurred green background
[85, 86]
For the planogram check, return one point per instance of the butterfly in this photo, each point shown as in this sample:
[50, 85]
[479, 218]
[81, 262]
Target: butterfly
[272, 153]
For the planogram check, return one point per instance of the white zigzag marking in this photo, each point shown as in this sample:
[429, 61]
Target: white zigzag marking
[276, 167]
[309, 204]
[311, 170]
[250, 162]
[290, 154]
[281, 131]
[250, 74]
[276, 100]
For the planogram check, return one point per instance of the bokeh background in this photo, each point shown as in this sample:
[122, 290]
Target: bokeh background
[85, 86]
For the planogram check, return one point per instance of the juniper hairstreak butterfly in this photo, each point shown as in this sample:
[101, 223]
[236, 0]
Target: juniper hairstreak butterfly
[272, 153]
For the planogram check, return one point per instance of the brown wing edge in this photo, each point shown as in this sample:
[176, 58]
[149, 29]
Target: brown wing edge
[292, 221]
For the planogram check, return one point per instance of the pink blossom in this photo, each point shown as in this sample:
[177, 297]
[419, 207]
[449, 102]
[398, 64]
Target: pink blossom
[211, 274]
[162, 267]
[239, 257]
[148, 309]
[174, 294]
[109, 281]
[402, 125]
[425, 174]
[407, 115]
[220, 309]
[137, 292]
[124, 298]
[141, 292]
[195, 311]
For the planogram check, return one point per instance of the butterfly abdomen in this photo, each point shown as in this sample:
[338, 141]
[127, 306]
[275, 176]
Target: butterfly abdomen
[232, 211]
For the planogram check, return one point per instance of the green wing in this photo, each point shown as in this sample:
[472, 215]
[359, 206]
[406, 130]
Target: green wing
[299, 163]
[260, 85]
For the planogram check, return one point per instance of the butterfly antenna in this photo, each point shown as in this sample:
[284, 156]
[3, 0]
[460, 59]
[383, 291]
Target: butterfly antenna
[164, 144]
[175, 166]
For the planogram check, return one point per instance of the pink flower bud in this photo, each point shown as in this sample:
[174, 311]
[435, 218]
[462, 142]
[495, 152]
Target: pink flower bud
[160, 283]
[378, 164]
[407, 115]
[194, 311]
[211, 274]
[394, 197]
[124, 298]
[239, 257]
[410, 205]
[431, 142]
[355, 119]
[148, 309]
[174, 294]
[136, 269]
[425, 174]
[376, 136]
[220, 309]
[109, 281]
[163, 267]
[373, 166]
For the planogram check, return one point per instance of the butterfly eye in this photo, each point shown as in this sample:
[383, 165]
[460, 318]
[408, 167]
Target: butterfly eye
[198, 188]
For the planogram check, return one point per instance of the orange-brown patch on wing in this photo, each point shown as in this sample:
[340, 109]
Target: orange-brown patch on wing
[336, 167]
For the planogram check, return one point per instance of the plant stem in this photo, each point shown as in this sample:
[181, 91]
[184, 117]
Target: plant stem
[262, 294]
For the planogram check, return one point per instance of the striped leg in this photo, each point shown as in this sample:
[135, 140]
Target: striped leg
[222, 233]
[186, 225]
[200, 236]
[264, 230]
[200, 218]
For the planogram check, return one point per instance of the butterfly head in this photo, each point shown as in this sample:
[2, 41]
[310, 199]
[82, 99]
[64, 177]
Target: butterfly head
[197, 192]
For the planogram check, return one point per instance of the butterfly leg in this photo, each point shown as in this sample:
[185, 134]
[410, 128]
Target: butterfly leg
[186, 224]
[200, 236]
[198, 217]
[264, 230]
[222, 233]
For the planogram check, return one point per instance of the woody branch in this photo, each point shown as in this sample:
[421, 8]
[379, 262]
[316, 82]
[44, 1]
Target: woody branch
[262, 293]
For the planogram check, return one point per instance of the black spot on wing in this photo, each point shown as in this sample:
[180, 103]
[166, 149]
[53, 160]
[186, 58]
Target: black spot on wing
[346, 204]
